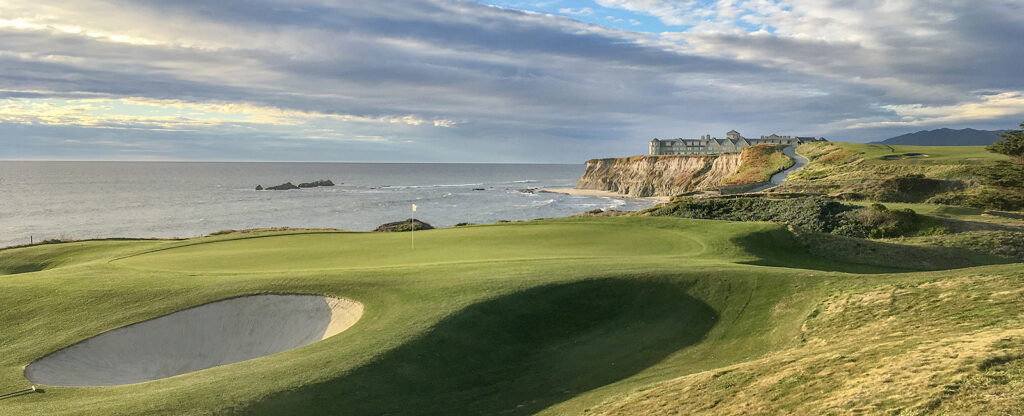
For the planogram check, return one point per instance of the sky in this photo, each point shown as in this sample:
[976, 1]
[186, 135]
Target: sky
[500, 81]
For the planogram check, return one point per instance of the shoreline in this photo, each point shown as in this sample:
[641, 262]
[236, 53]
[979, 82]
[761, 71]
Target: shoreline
[606, 194]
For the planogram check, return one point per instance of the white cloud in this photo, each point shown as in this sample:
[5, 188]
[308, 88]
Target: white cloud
[678, 13]
[586, 11]
[984, 107]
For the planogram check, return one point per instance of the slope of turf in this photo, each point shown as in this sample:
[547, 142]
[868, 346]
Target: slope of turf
[521, 352]
[948, 343]
[550, 317]
[888, 173]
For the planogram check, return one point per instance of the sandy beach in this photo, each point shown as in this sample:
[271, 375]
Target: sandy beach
[609, 194]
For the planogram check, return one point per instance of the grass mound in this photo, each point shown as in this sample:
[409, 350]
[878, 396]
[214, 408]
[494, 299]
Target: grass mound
[758, 164]
[48, 255]
[914, 346]
[911, 188]
[1000, 243]
[520, 353]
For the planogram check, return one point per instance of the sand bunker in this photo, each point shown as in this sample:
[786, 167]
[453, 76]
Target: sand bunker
[205, 336]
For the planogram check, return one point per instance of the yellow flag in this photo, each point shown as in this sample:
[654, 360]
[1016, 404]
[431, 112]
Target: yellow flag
[413, 207]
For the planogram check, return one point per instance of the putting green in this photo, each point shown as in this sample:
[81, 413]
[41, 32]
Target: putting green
[543, 240]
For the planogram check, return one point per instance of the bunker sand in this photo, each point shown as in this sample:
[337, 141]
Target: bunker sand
[205, 336]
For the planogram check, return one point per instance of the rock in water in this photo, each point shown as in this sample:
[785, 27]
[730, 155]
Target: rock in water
[314, 184]
[282, 187]
[259, 187]
[399, 226]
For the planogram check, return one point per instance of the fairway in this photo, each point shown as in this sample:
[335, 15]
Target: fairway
[556, 316]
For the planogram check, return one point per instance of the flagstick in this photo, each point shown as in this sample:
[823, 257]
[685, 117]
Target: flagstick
[412, 223]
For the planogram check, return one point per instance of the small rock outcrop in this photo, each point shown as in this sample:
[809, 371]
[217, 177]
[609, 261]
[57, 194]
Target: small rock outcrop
[407, 225]
[282, 187]
[314, 184]
[288, 185]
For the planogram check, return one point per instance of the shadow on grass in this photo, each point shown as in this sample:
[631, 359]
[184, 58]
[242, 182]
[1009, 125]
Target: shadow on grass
[19, 268]
[827, 252]
[516, 354]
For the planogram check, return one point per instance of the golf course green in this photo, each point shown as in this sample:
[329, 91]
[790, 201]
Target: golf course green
[623, 315]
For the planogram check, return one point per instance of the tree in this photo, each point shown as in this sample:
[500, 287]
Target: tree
[1005, 178]
[1012, 145]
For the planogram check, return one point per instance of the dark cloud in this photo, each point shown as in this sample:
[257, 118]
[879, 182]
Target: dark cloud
[516, 86]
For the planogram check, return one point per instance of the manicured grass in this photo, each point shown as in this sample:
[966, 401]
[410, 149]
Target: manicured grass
[550, 239]
[547, 317]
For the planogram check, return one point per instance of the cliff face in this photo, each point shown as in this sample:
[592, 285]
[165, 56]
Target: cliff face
[658, 175]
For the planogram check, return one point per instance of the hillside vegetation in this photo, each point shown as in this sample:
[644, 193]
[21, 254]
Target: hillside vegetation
[813, 214]
[590, 315]
[953, 175]
[758, 164]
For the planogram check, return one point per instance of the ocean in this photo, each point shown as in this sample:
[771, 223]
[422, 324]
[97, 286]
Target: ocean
[85, 200]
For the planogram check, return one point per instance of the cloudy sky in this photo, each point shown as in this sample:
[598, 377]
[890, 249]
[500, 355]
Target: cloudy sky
[490, 80]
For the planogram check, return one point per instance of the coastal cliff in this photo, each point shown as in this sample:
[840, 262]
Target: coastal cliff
[642, 176]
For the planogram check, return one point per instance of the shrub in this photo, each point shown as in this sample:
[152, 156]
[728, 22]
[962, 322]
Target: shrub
[812, 214]
[911, 188]
[879, 222]
[1006, 199]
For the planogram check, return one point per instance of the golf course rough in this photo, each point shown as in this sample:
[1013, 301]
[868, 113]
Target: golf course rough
[218, 333]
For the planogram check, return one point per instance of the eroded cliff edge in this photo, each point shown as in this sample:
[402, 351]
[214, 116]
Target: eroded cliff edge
[642, 176]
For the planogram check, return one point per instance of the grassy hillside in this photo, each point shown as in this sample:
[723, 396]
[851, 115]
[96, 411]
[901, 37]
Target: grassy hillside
[628, 315]
[758, 164]
[950, 343]
[887, 173]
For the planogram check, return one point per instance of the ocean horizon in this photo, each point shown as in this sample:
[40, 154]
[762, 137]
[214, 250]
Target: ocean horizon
[178, 199]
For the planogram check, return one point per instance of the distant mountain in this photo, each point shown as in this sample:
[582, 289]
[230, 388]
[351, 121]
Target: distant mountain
[946, 137]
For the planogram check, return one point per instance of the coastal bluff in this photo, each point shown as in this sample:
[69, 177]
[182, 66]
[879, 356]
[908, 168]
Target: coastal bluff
[649, 176]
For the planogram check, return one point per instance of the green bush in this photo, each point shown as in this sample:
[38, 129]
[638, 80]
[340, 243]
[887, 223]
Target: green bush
[877, 221]
[815, 214]
[911, 188]
[1005, 199]
[812, 214]
[1002, 199]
